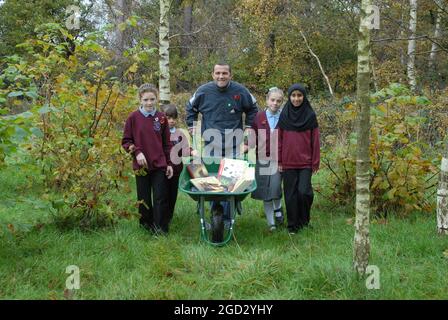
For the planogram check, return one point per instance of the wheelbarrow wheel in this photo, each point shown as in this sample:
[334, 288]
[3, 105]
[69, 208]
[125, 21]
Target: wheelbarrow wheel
[217, 225]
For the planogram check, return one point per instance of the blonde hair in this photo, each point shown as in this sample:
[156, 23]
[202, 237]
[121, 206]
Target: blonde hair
[274, 90]
[147, 87]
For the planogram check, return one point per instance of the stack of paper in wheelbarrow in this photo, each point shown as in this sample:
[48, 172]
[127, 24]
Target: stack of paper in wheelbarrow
[235, 175]
[208, 184]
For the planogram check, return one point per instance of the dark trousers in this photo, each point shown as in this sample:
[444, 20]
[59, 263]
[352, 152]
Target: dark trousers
[152, 189]
[298, 197]
[173, 187]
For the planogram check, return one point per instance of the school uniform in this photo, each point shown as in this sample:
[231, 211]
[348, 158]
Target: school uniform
[268, 185]
[266, 170]
[180, 141]
[299, 156]
[149, 133]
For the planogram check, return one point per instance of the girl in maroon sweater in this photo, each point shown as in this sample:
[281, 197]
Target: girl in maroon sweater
[147, 137]
[299, 156]
[268, 177]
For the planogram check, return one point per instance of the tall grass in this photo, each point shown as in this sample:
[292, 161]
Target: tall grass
[126, 262]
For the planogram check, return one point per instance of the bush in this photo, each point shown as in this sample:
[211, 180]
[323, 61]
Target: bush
[80, 111]
[402, 164]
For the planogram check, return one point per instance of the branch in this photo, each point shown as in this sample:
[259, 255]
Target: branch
[415, 38]
[331, 169]
[399, 39]
[102, 110]
[440, 7]
[194, 32]
[320, 65]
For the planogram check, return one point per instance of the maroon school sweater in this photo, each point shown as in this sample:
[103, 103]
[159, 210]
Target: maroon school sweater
[151, 136]
[181, 144]
[299, 150]
[263, 140]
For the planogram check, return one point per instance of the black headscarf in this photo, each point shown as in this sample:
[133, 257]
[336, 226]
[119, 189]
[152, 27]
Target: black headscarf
[297, 118]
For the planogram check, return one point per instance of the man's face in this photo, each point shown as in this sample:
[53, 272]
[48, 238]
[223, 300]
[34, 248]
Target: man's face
[221, 75]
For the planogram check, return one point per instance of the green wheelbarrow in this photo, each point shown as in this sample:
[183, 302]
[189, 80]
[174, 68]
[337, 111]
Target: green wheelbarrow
[213, 230]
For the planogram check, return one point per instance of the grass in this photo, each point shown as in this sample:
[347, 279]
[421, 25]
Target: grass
[125, 262]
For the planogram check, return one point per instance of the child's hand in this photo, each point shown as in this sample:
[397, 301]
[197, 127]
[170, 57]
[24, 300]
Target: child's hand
[169, 172]
[141, 160]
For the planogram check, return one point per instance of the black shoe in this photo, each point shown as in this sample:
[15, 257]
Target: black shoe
[280, 219]
[160, 232]
[143, 223]
[293, 230]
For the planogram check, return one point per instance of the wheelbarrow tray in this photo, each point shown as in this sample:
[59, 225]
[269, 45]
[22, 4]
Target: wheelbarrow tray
[234, 198]
[212, 165]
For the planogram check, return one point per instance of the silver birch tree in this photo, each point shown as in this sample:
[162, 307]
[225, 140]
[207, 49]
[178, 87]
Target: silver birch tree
[437, 34]
[361, 248]
[411, 44]
[442, 196]
[164, 52]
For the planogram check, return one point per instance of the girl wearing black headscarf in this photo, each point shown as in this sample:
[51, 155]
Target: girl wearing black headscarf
[299, 156]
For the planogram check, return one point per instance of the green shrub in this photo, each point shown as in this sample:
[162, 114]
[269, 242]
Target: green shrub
[402, 164]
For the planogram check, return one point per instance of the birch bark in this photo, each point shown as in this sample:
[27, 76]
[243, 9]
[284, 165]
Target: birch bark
[164, 53]
[411, 44]
[361, 246]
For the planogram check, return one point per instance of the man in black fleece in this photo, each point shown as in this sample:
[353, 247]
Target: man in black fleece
[221, 103]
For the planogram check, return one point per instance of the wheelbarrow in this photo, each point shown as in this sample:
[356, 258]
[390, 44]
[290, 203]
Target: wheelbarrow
[212, 229]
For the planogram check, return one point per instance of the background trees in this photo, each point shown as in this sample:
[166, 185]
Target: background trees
[268, 43]
[261, 39]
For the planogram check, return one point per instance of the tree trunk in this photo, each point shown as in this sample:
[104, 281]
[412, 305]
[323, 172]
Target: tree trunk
[411, 45]
[437, 35]
[164, 53]
[402, 36]
[121, 14]
[361, 250]
[372, 68]
[188, 22]
[442, 196]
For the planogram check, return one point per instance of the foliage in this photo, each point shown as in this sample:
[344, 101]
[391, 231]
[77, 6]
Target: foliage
[80, 113]
[260, 39]
[16, 89]
[402, 164]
